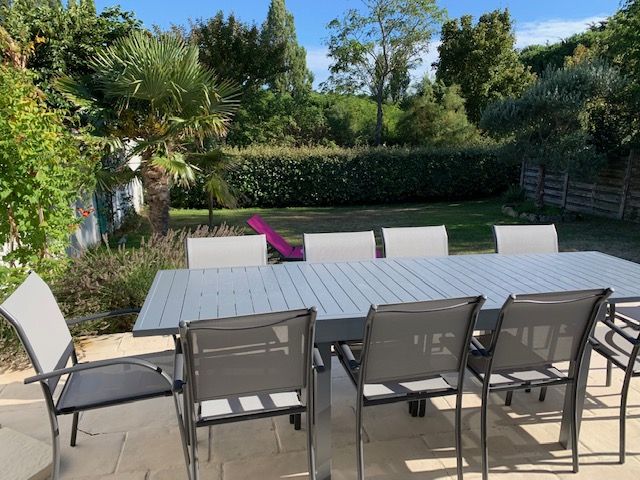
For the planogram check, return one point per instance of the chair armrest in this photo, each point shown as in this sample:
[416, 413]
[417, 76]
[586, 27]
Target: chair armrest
[317, 360]
[178, 372]
[79, 367]
[347, 354]
[100, 316]
[478, 349]
[621, 332]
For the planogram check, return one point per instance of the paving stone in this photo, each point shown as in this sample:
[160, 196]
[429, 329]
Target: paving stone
[242, 440]
[151, 447]
[286, 465]
[152, 413]
[92, 456]
[35, 463]
[392, 460]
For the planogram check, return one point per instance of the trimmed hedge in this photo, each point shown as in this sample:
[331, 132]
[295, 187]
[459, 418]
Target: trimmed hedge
[283, 177]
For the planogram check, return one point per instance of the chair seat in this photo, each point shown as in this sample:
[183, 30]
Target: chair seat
[515, 378]
[116, 384]
[261, 404]
[436, 384]
[615, 347]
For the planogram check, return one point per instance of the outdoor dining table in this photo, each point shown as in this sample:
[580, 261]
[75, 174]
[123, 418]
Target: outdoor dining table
[343, 292]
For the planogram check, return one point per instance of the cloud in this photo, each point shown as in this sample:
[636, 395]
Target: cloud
[552, 31]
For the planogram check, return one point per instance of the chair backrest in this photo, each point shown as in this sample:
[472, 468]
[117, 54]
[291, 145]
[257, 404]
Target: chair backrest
[415, 242]
[219, 252]
[33, 312]
[339, 246]
[544, 328]
[235, 356]
[411, 341]
[277, 241]
[516, 239]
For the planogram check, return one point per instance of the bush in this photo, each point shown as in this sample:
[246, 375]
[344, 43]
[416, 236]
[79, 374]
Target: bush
[282, 177]
[104, 279]
[43, 169]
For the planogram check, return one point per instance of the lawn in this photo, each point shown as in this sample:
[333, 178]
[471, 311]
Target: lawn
[468, 223]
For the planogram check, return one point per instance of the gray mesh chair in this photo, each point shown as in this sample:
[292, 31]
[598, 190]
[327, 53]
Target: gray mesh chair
[242, 368]
[533, 333]
[515, 239]
[219, 252]
[619, 343]
[339, 246]
[34, 314]
[412, 351]
[415, 242]
[522, 239]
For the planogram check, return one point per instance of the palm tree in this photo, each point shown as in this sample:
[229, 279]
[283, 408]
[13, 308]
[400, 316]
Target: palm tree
[153, 92]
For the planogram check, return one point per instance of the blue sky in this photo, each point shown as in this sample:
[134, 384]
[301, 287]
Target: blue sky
[536, 21]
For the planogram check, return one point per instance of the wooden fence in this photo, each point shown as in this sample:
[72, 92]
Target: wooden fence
[615, 193]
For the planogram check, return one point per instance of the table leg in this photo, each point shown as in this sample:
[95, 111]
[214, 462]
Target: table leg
[581, 385]
[323, 415]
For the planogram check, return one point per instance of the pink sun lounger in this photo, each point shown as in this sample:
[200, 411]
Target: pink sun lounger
[278, 242]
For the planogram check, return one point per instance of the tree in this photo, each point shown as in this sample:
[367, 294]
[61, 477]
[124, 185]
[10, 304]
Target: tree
[162, 98]
[56, 40]
[384, 41]
[237, 51]
[540, 57]
[279, 31]
[43, 170]
[621, 46]
[482, 60]
[549, 124]
[436, 117]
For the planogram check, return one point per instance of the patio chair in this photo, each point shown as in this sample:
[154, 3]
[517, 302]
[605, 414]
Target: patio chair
[339, 246]
[415, 242]
[411, 352]
[220, 252]
[619, 343]
[521, 239]
[249, 367]
[34, 314]
[277, 241]
[535, 332]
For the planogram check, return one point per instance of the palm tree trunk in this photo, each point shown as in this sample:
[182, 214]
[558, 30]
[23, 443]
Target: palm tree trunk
[156, 183]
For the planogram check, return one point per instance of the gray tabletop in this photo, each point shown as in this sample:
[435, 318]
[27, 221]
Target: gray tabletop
[343, 292]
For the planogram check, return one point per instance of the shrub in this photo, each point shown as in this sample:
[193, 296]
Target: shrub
[281, 177]
[42, 170]
[103, 278]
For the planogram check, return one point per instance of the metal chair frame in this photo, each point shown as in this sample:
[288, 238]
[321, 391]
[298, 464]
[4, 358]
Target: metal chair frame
[349, 362]
[629, 368]
[49, 380]
[192, 422]
[570, 379]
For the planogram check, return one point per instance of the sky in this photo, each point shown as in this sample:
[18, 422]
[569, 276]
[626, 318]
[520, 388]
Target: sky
[536, 21]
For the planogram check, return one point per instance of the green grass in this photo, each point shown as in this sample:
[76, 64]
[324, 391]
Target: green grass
[468, 224]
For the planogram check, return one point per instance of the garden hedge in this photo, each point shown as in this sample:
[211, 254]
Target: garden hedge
[283, 177]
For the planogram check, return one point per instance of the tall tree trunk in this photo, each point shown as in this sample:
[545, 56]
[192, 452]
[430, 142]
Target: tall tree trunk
[542, 171]
[378, 137]
[156, 183]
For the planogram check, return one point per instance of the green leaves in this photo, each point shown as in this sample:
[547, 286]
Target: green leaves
[44, 169]
[282, 177]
